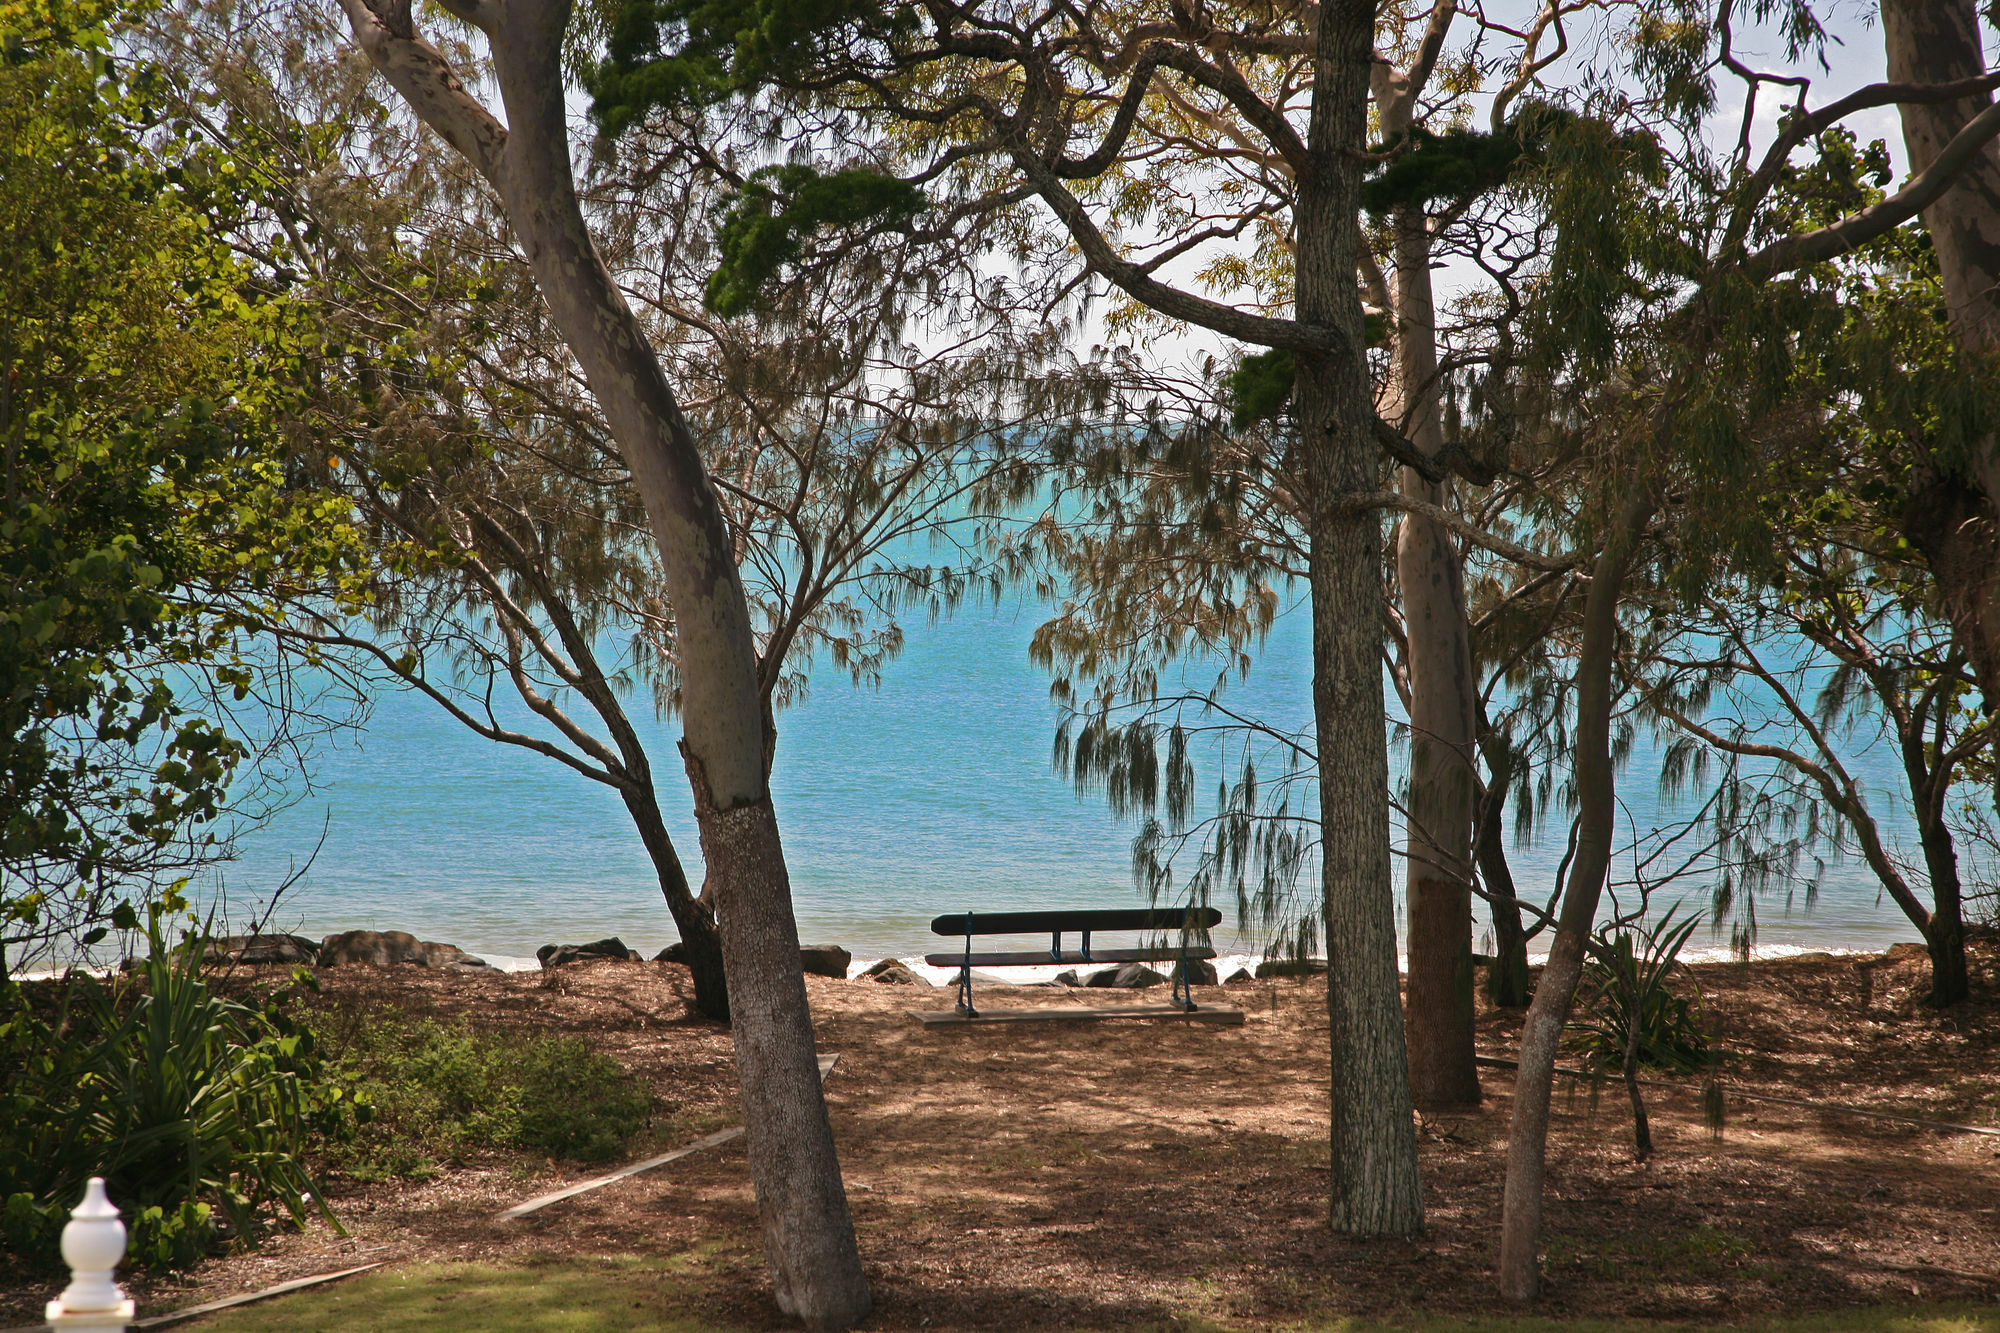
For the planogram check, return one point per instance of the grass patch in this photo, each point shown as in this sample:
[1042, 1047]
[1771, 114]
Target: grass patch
[614, 1294]
[610, 1295]
[1704, 1252]
[440, 1093]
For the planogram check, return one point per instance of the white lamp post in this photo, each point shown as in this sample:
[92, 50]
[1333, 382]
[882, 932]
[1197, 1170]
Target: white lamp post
[93, 1241]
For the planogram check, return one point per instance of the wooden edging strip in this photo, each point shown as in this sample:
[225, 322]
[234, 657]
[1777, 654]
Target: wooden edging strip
[1943, 1127]
[296, 1284]
[196, 1311]
[720, 1137]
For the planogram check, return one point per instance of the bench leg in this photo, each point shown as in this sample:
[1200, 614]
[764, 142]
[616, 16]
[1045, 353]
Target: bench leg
[965, 974]
[1183, 992]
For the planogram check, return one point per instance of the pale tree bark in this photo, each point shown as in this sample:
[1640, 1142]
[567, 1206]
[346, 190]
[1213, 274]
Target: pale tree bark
[1438, 1012]
[1375, 1189]
[1541, 1035]
[808, 1234]
[1953, 514]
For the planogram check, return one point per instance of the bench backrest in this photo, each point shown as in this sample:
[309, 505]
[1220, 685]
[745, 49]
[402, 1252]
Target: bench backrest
[1116, 918]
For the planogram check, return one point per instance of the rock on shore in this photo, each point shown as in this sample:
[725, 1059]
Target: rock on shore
[386, 948]
[820, 960]
[892, 972]
[261, 948]
[1130, 976]
[611, 947]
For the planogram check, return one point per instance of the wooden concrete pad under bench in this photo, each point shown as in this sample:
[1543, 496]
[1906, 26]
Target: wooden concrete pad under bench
[1061, 1013]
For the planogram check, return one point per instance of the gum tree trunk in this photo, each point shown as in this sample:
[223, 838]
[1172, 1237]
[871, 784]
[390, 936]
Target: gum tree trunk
[1943, 925]
[1438, 1007]
[1375, 1190]
[1528, 1134]
[1953, 515]
[808, 1234]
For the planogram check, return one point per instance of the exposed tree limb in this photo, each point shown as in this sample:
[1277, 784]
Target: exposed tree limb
[1478, 536]
[1852, 232]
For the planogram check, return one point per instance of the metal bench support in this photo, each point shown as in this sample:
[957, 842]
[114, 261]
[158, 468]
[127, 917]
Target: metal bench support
[965, 974]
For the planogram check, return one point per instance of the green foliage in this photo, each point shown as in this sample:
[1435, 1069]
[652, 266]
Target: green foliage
[671, 53]
[1458, 164]
[1259, 387]
[441, 1094]
[147, 514]
[765, 224]
[1633, 982]
[183, 1100]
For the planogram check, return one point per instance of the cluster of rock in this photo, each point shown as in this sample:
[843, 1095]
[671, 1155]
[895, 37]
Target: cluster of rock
[376, 948]
[387, 948]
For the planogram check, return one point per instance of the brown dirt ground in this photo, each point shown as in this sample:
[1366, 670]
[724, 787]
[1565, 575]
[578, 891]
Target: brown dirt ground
[1048, 1175]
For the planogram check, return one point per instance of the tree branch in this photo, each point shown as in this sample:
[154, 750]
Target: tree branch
[1500, 546]
[419, 71]
[1850, 233]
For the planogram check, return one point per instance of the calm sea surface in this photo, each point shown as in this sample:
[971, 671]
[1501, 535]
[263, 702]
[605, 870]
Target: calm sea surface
[932, 794]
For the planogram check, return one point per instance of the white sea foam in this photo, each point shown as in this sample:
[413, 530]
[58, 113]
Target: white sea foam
[1227, 965]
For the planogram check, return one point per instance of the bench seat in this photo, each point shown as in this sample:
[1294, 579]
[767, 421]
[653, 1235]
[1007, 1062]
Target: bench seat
[1032, 958]
[1158, 921]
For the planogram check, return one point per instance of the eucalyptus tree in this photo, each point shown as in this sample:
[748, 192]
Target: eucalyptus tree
[1838, 636]
[1158, 141]
[1953, 510]
[528, 164]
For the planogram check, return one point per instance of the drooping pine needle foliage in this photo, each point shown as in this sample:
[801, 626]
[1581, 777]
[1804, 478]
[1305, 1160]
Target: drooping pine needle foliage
[778, 208]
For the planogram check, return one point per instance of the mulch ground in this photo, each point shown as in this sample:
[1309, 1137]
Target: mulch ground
[1053, 1175]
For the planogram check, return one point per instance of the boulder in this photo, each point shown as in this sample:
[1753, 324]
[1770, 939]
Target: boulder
[1068, 978]
[825, 960]
[676, 952]
[1126, 976]
[894, 974]
[1200, 971]
[1906, 953]
[1291, 967]
[450, 955]
[1240, 975]
[558, 955]
[386, 948]
[261, 948]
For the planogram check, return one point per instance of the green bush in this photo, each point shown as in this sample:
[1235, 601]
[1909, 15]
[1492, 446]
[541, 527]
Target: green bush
[443, 1093]
[1637, 978]
[185, 1101]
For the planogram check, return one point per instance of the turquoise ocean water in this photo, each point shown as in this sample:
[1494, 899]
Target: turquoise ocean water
[931, 794]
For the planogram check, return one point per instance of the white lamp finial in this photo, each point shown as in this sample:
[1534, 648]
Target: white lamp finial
[93, 1242]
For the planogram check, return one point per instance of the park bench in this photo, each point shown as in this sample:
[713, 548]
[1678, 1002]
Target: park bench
[1083, 924]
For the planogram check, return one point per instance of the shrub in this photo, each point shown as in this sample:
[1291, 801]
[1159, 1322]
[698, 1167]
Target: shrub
[183, 1100]
[443, 1093]
[1636, 978]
